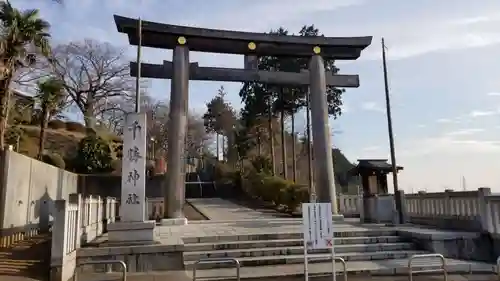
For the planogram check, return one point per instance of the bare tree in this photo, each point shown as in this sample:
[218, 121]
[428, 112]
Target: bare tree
[93, 72]
[197, 139]
[157, 123]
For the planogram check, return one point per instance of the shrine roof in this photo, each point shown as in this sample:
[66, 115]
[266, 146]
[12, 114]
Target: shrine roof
[164, 36]
[373, 165]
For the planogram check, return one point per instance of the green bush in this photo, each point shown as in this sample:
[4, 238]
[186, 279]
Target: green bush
[262, 164]
[225, 173]
[54, 159]
[113, 138]
[56, 124]
[75, 127]
[93, 156]
[283, 194]
[117, 166]
[295, 195]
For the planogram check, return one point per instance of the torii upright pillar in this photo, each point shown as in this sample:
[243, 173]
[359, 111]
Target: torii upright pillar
[173, 193]
[323, 162]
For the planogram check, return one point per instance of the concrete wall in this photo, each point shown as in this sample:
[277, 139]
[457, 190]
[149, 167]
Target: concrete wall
[110, 186]
[28, 192]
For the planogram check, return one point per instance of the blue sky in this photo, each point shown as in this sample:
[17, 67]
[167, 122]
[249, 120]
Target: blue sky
[444, 65]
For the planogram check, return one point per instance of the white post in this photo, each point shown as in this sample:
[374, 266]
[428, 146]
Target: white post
[99, 211]
[77, 199]
[484, 212]
[59, 233]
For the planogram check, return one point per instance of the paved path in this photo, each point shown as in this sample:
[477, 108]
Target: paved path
[223, 210]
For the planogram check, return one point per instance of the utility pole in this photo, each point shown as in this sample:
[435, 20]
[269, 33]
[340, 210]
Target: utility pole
[397, 196]
[138, 77]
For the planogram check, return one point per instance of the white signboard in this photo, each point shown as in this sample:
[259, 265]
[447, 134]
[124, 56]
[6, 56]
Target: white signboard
[318, 231]
[318, 225]
[134, 168]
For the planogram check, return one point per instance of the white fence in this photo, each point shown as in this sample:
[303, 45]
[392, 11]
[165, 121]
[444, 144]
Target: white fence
[77, 221]
[349, 205]
[154, 208]
[463, 210]
[477, 210]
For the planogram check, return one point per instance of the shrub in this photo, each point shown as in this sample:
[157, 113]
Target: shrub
[262, 164]
[112, 138]
[93, 156]
[281, 193]
[117, 166]
[295, 195]
[56, 124]
[54, 159]
[225, 174]
[75, 127]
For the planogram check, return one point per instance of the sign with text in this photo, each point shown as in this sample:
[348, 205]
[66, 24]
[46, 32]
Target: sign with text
[134, 168]
[318, 225]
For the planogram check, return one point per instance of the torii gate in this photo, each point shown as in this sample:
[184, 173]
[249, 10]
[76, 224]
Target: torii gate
[183, 39]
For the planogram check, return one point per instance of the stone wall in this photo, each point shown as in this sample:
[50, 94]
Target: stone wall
[110, 185]
[28, 191]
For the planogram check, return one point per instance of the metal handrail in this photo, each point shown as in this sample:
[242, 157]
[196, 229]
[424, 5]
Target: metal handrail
[123, 266]
[234, 261]
[442, 269]
[344, 265]
[498, 268]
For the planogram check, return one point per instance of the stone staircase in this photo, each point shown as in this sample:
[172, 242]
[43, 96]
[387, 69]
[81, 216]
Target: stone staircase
[377, 251]
[28, 258]
[287, 248]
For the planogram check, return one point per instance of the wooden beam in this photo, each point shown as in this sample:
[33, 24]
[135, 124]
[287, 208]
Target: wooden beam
[164, 36]
[196, 72]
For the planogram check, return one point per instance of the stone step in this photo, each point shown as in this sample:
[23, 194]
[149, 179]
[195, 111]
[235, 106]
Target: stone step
[342, 233]
[313, 258]
[354, 269]
[296, 250]
[286, 243]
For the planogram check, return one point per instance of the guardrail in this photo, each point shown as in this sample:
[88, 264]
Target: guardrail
[498, 268]
[107, 262]
[442, 269]
[234, 261]
[339, 259]
[344, 265]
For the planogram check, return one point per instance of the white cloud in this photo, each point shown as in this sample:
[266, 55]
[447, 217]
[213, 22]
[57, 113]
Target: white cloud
[475, 20]
[448, 144]
[444, 120]
[418, 37]
[270, 13]
[372, 106]
[481, 113]
[464, 132]
[372, 148]
[493, 94]
[421, 126]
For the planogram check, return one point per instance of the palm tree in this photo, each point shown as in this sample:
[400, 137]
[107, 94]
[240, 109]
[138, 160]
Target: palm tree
[51, 97]
[23, 34]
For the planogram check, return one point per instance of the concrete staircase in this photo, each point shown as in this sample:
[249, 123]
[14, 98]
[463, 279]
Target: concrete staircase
[377, 251]
[29, 258]
[273, 249]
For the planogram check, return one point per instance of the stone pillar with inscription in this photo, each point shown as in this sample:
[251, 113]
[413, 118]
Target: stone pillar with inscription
[132, 225]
